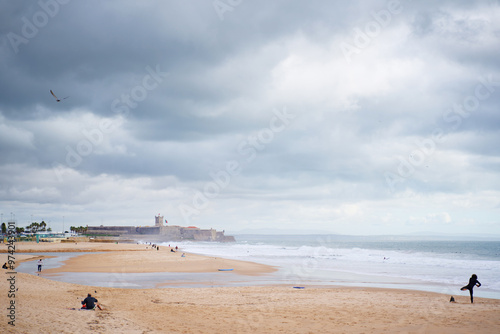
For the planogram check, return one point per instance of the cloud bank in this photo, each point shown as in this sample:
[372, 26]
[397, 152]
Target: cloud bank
[355, 118]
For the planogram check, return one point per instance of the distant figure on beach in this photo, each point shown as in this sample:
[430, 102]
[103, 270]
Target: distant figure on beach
[40, 263]
[183, 255]
[157, 248]
[472, 282]
[90, 303]
[5, 266]
[172, 250]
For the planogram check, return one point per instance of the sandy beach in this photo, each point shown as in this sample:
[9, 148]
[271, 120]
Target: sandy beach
[43, 305]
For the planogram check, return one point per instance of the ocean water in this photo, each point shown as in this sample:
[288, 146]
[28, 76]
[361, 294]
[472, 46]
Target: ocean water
[430, 265]
[323, 260]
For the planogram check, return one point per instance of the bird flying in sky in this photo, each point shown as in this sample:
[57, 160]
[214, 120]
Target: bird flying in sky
[57, 99]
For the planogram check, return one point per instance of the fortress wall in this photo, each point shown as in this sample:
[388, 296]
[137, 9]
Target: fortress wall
[220, 237]
[148, 230]
[203, 235]
[189, 233]
[161, 233]
[110, 230]
[172, 232]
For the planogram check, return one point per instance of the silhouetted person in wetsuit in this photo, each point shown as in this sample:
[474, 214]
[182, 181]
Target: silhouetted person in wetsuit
[472, 282]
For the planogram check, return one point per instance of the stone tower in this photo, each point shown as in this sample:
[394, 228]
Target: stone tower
[158, 220]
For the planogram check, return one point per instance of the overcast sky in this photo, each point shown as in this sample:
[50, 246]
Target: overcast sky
[351, 117]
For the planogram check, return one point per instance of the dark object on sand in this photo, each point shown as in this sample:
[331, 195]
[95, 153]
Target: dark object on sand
[90, 303]
[452, 300]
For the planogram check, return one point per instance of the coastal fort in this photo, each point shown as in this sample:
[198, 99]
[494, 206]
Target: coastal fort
[160, 232]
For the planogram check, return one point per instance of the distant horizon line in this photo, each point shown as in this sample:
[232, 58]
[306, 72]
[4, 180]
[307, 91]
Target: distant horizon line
[407, 235]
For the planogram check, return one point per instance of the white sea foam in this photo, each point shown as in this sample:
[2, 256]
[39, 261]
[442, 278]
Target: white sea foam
[448, 269]
[423, 266]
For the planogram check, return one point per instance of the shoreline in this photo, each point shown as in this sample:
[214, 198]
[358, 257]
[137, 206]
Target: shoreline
[140, 266]
[132, 258]
[156, 262]
[58, 247]
[268, 309]
[46, 305]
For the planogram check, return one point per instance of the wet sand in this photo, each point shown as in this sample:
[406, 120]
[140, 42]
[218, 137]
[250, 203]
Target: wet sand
[156, 261]
[132, 258]
[47, 306]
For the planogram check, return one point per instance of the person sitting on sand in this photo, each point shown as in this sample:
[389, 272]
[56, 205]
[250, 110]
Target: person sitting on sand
[90, 303]
[472, 282]
[5, 266]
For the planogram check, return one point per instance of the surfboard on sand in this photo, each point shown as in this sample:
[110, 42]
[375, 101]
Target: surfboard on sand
[225, 269]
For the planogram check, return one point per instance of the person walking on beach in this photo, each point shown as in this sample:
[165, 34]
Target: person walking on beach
[472, 282]
[40, 263]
